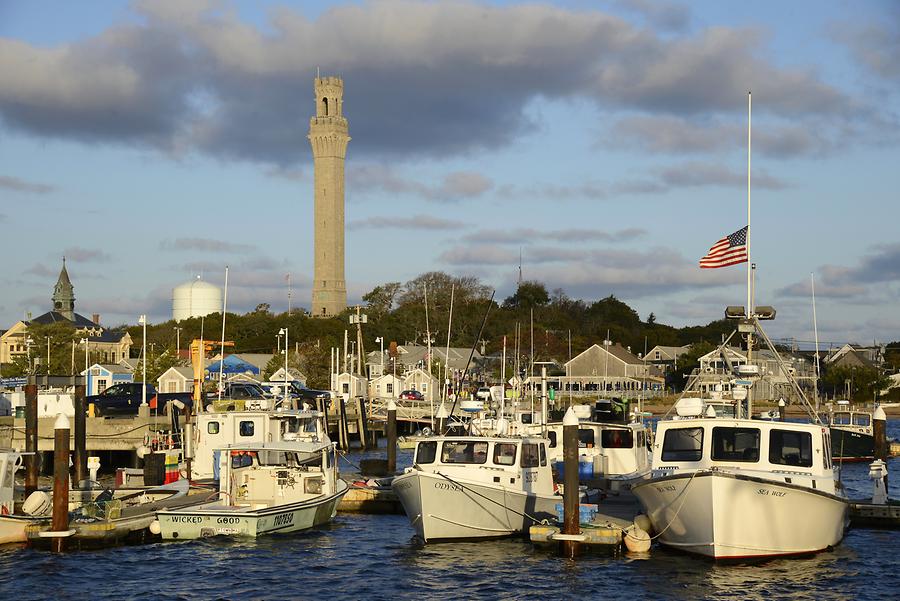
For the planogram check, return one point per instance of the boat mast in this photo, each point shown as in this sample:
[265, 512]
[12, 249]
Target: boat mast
[428, 354]
[812, 281]
[750, 315]
[222, 361]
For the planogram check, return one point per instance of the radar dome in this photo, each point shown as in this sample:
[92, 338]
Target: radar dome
[195, 299]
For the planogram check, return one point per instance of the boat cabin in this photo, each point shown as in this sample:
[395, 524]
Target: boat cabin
[518, 463]
[215, 430]
[790, 450]
[258, 476]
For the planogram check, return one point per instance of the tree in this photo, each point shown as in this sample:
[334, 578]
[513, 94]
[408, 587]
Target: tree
[688, 362]
[863, 382]
[381, 299]
[651, 319]
[528, 295]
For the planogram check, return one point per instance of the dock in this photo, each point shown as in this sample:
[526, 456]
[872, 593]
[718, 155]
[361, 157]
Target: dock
[872, 515]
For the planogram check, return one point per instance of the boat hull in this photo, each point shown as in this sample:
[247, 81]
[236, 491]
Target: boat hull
[215, 519]
[12, 528]
[441, 509]
[847, 445]
[728, 516]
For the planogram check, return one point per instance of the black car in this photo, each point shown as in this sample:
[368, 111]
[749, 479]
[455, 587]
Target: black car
[125, 398]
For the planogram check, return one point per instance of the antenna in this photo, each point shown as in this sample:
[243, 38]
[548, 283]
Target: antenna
[317, 73]
[520, 266]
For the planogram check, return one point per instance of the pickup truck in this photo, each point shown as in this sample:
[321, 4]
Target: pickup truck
[124, 399]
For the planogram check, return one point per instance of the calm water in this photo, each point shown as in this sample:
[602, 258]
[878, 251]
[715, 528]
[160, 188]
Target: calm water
[374, 557]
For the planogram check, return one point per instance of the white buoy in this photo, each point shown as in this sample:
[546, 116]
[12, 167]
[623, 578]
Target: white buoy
[877, 472]
[643, 522]
[155, 528]
[637, 540]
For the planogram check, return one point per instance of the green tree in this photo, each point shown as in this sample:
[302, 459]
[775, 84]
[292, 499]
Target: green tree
[863, 382]
[380, 300]
[688, 362]
[528, 295]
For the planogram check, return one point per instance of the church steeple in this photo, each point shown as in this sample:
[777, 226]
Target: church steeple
[64, 294]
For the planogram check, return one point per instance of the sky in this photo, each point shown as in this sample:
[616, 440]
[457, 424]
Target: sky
[604, 141]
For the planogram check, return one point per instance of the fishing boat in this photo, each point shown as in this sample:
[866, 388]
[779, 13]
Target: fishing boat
[613, 452]
[732, 488]
[12, 525]
[462, 487]
[264, 488]
[852, 433]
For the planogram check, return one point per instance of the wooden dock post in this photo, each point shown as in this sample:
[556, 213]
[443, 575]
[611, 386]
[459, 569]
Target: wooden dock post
[187, 440]
[782, 410]
[60, 520]
[391, 437]
[441, 415]
[361, 421]
[80, 459]
[879, 433]
[343, 433]
[570, 548]
[31, 437]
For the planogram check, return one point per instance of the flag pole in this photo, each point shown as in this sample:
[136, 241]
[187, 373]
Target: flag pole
[749, 261]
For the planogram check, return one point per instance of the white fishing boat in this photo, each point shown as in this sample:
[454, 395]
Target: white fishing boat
[264, 488]
[217, 429]
[613, 453]
[477, 487]
[12, 526]
[741, 488]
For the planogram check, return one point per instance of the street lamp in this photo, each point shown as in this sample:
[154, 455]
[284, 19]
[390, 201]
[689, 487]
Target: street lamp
[284, 332]
[28, 342]
[177, 341]
[381, 340]
[143, 321]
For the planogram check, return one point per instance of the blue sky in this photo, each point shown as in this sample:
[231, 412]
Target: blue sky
[152, 141]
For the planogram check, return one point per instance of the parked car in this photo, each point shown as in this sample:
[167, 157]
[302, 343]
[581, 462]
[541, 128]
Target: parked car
[124, 399]
[483, 393]
[413, 395]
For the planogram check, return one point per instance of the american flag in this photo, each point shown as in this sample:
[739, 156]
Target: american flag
[730, 250]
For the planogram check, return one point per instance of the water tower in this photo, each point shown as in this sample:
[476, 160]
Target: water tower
[195, 299]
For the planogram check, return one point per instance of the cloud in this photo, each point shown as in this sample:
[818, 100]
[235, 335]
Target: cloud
[876, 45]
[416, 222]
[20, 185]
[454, 186]
[667, 16]
[86, 255]
[41, 270]
[571, 235]
[594, 273]
[205, 245]
[696, 174]
[873, 275]
[679, 135]
[431, 79]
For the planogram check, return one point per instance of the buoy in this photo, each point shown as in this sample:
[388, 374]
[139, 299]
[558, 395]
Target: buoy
[155, 528]
[643, 522]
[37, 504]
[637, 540]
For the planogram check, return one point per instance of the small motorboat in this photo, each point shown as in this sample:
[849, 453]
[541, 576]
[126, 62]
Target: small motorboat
[264, 488]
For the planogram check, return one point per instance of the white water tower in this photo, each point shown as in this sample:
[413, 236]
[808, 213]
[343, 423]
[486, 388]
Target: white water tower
[195, 299]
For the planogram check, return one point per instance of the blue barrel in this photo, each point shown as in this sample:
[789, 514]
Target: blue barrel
[585, 469]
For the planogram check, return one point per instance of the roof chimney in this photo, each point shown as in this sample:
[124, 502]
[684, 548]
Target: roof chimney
[96, 318]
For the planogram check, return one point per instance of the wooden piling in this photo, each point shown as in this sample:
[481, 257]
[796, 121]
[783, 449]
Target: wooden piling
[361, 421]
[879, 432]
[80, 459]
[60, 520]
[31, 438]
[343, 433]
[392, 437]
[782, 410]
[570, 548]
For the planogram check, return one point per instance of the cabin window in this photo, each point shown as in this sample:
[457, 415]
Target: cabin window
[426, 452]
[530, 455]
[389, 388]
[212, 427]
[860, 419]
[464, 451]
[790, 448]
[640, 439]
[246, 428]
[841, 419]
[735, 444]
[585, 438]
[543, 455]
[617, 439]
[345, 388]
[683, 444]
[552, 436]
[505, 453]
[826, 444]
[242, 458]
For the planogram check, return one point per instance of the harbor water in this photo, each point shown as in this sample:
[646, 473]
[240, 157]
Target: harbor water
[376, 557]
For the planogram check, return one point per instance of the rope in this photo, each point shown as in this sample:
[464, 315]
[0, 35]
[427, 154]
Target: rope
[460, 484]
[22, 430]
[343, 455]
[677, 511]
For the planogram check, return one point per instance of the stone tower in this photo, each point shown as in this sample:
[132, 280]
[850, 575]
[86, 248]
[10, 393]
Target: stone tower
[64, 294]
[328, 138]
